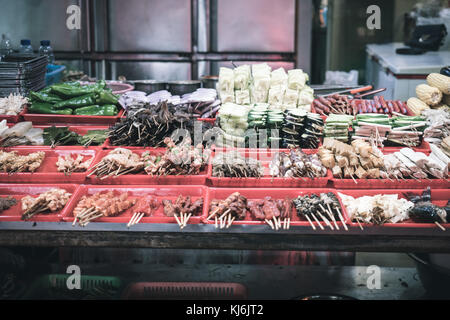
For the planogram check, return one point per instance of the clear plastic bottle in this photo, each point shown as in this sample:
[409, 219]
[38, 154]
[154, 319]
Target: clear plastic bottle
[25, 46]
[5, 46]
[46, 50]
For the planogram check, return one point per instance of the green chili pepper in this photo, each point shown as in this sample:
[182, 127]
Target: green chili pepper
[105, 97]
[86, 100]
[44, 97]
[96, 110]
[42, 107]
[71, 91]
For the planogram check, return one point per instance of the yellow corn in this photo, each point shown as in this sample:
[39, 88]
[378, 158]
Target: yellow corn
[430, 95]
[439, 81]
[416, 106]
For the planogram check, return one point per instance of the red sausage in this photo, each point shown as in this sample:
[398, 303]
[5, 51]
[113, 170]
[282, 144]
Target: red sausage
[383, 104]
[396, 106]
[403, 107]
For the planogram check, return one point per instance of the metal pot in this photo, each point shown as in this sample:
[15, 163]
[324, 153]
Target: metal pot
[178, 88]
[149, 86]
[209, 81]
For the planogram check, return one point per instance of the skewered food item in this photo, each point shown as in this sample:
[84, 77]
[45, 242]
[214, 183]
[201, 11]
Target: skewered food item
[380, 129]
[359, 159]
[116, 163]
[296, 164]
[182, 209]
[378, 209]
[149, 125]
[12, 162]
[6, 203]
[53, 200]
[144, 207]
[272, 211]
[234, 165]
[425, 211]
[234, 207]
[338, 104]
[21, 133]
[438, 125]
[101, 204]
[179, 159]
[337, 127]
[324, 207]
[69, 164]
[13, 104]
[301, 129]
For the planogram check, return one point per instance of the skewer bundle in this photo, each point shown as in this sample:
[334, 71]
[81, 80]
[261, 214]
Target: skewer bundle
[12, 162]
[6, 203]
[179, 159]
[234, 165]
[296, 164]
[182, 209]
[301, 129]
[68, 164]
[323, 207]
[118, 162]
[144, 207]
[101, 204]
[234, 207]
[52, 200]
[272, 211]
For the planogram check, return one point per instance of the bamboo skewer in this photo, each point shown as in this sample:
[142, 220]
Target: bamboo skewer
[270, 223]
[318, 222]
[342, 219]
[178, 221]
[440, 226]
[325, 220]
[310, 222]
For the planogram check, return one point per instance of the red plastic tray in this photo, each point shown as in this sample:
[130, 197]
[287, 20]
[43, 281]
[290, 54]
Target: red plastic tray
[260, 193]
[388, 184]
[265, 156]
[18, 191]
[141, 179]
[47, 172]
[12, 118]
[438, 197]
[160, 192]
[71, 119]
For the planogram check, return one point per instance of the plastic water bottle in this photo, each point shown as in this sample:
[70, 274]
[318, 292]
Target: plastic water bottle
[25, 46]
[5, 47]
[46, 50]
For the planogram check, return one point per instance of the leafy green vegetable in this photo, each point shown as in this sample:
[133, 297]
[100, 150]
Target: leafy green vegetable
[59, 136]
[93, 137]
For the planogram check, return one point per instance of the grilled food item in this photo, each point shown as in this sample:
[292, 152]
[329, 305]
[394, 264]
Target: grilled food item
[6, 203]
[53, 200]
[69, 164]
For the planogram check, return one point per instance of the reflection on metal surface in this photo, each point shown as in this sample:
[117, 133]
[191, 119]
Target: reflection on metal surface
[157, 25]
[151, 70]
[256, 25]
[39, 20]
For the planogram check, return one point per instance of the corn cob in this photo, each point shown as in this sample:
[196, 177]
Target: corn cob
[416, 106]
[439, 81]
[430, 95]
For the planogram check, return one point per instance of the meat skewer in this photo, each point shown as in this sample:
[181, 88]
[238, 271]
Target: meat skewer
[144, 207]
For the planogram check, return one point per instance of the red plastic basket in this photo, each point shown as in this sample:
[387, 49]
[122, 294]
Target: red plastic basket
[71, 119]
[18, 191]
[185, 290]
[12, 118]
[439, 197]
[265, 157]
[47, 172]
[133, 179]
[136, 192]
[260, 193]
